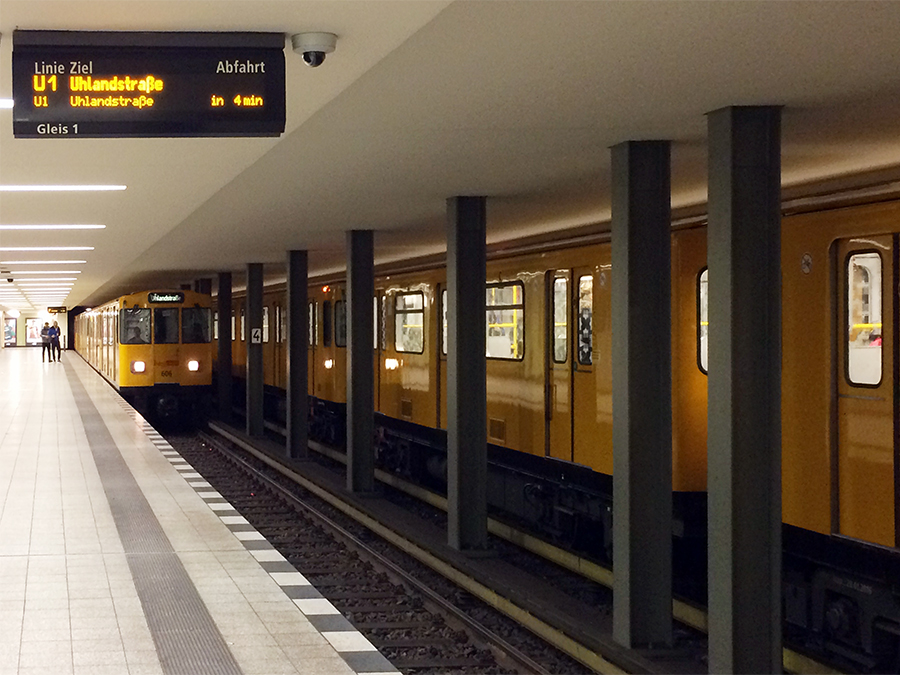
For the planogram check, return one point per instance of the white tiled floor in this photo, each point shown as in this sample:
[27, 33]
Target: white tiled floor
[68, 603]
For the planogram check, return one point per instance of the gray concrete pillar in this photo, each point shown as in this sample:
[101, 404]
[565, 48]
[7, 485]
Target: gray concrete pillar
[744, 442]
[642, 393]
[297, 355]
[255, 426]
[466, 368]
[223, 360]
[360, 374]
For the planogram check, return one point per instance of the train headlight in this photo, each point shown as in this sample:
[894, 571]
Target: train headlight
[193, 366]
[138, 367]
[391, 364]
[329, 364]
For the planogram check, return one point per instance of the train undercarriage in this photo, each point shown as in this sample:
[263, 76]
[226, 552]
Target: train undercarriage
[841, 598]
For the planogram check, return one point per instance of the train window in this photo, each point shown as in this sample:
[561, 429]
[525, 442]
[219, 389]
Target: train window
[265, 327]
[383, 317]
[281, 323]
[312, 324]
[409, 323]
[195, 325]
[216, 326]
[326, 323]
[233, 334]
[243, 326]
[375, 322]
[505, 325]
[277, 324]
[134, 326]
[585, 320]
[864, 325]
[560, 320]
[703, 320]
[165, 326]
[340, 323]
[444, 314]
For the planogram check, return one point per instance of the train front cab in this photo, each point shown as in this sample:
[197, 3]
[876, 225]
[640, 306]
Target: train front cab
[841, 428]
[164, 356]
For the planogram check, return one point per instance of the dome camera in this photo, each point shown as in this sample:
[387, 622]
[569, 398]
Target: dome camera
[313, 47]
[9, 279]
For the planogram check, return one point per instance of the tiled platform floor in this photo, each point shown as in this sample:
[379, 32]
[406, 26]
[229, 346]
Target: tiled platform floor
[90, 583]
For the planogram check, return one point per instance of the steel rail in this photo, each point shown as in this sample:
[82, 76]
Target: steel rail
[444, 606]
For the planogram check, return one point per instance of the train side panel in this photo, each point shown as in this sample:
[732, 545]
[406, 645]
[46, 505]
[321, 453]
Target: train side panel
[838, 470]
[689, 383]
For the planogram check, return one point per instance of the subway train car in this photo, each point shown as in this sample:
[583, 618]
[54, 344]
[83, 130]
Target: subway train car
[549, 405]
[155, 348]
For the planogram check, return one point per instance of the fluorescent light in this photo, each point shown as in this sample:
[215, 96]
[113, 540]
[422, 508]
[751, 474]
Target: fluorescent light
[46, 248]
[27, 281]
[6, 103]
[42, 262]
[60, 188]
[17, 273]
[52, 227]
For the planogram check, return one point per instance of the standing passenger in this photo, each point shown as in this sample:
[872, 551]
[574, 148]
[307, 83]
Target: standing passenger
[45, 342]
[55, 335]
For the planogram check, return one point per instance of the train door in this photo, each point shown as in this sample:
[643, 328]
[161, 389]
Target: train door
[591, 374]
[867, 414]
[559, 356]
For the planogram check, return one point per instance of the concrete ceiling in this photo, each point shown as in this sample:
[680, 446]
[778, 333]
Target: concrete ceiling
[423, 100]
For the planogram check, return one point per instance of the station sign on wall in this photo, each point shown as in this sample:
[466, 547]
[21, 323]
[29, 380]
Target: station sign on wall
[69, 84]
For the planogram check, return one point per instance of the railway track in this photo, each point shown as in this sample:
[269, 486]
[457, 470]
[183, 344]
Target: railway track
[402, 612]
[586, 582]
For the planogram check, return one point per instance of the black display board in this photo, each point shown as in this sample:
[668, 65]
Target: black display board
[118, 84]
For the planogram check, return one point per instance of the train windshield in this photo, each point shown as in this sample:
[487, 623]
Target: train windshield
[134, 326]
[165, 326]
[195, 326]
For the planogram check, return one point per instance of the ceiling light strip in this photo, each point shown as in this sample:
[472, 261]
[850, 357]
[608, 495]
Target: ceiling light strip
[52, 227]
[61, 188]
[42, 262]
[10, 249]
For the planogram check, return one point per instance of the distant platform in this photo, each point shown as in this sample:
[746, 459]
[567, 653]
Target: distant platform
[116, 557]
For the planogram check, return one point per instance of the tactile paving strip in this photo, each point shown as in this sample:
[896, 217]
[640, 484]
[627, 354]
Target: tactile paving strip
[360, 654]
[186, 638]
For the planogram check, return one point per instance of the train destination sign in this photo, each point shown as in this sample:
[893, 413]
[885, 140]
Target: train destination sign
[165, 297]
[118, 84]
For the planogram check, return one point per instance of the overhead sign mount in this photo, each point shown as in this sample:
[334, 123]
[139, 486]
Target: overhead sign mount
[118, 84]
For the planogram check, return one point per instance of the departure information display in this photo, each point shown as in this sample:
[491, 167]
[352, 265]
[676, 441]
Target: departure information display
[113, 85]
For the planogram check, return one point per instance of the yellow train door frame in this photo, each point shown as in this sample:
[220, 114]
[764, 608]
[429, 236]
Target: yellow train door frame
[591, 374]
[866, 459]
[559, 365]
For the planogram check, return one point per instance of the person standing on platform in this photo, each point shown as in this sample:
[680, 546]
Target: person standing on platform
[55, 335]
[46, 347]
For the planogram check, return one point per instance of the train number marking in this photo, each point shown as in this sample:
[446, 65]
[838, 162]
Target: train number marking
[806, 263]
[166, 373]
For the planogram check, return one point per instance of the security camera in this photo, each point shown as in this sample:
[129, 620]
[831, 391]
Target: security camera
[313, 47]
[9, 279]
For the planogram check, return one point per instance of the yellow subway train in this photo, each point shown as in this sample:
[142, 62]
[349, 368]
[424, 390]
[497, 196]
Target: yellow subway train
[154, 347]
[549, 407]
